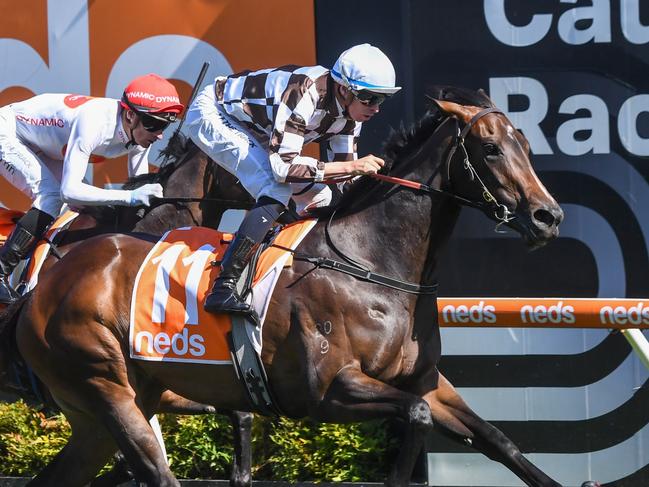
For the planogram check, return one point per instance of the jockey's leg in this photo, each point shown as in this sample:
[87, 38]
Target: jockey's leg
[224, 297]
[29, 230]
[31, 175]
[308, 196]
[231, 146]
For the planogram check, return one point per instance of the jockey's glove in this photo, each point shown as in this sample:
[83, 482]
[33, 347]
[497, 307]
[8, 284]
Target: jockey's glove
[142, 195]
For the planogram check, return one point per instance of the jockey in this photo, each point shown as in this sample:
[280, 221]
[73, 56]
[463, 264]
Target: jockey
[255, 124]
[47, 141]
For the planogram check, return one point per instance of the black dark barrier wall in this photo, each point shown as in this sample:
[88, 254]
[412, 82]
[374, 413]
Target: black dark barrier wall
[573, 75]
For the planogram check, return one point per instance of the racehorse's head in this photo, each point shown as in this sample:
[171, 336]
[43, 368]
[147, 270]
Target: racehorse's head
[489, 164]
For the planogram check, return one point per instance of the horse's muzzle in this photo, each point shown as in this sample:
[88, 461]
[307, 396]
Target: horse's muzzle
[543, 221]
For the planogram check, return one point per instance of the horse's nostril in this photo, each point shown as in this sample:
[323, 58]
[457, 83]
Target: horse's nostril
[545, 217]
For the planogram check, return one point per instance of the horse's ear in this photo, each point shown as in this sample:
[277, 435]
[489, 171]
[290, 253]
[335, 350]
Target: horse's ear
[451, 109]
[483, 93]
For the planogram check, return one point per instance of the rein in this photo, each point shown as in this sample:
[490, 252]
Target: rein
[235, 204]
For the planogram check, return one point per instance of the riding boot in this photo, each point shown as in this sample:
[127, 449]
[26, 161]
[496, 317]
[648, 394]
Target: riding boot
[12, 252]
[224, 297]
[29, 229]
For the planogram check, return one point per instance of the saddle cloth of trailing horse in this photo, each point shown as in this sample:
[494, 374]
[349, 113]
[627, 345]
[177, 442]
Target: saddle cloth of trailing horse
[8, 220]
[42, 249]
[167, 320]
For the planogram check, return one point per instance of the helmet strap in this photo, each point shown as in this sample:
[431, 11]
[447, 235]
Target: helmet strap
[345, 97]
[131, 139]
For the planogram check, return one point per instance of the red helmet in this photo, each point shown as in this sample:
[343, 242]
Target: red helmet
[153, 95]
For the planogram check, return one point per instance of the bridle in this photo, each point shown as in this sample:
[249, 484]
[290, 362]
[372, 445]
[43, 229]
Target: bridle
[499, 211]
[489, 204]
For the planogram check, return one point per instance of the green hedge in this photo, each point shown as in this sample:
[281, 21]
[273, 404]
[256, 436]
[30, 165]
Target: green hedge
[201, 446]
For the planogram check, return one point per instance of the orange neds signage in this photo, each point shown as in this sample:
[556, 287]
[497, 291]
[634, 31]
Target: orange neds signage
[544, 312]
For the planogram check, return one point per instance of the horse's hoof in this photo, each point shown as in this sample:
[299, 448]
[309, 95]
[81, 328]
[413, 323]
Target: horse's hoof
[241, 481]
[591, 483]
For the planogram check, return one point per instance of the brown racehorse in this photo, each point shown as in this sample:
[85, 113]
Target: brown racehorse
[205, 191]
[383, 343]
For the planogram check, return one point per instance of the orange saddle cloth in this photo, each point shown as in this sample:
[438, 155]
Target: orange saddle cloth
[8, 219]
[167, 321]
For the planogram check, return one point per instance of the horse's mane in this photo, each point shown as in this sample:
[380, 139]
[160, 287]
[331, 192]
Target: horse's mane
[176, 151]
[401, 145]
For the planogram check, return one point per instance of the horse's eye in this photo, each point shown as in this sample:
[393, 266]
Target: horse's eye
[491, 149]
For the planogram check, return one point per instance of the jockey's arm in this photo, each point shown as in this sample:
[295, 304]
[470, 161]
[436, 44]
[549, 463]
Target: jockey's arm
[75, 191]
[342, 151]
[290, 166]
[304, 169]
[369, 164]
[84, 138]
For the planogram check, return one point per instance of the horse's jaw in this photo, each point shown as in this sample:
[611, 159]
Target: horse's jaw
[537, 227]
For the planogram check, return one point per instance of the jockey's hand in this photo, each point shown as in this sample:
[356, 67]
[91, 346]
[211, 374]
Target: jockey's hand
[142, 195]
[365, 165]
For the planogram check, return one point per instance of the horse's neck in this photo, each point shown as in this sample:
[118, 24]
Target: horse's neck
[402, 234]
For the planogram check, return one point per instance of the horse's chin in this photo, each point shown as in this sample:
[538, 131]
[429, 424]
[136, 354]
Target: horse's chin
[533, 245]
[533, 237]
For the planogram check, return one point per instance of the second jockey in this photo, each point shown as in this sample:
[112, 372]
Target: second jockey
[47, 141]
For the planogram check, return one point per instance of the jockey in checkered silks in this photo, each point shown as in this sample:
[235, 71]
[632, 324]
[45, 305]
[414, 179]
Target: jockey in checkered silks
[47, 142]
[255, 125]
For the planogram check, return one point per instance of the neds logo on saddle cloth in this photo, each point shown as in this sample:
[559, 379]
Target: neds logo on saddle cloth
[168, 322]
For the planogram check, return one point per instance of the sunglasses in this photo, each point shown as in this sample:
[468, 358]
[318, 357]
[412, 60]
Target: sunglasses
[152, 124]
[369, 98]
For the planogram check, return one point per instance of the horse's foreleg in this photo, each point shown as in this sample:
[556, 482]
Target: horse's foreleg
[87, 450]
[353, 396]
[241, 475]
[452, 413]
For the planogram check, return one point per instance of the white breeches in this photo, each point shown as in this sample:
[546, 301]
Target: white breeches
[234, 148]
[31, 173]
